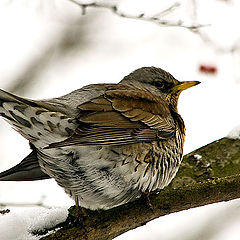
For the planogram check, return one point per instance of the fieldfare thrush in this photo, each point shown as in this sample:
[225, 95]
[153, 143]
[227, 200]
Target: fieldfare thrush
[105, 144]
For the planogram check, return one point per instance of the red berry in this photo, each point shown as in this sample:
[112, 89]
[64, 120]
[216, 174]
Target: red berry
[207, 69]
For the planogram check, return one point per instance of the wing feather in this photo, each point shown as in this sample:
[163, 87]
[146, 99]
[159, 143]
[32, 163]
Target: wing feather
[122, 116]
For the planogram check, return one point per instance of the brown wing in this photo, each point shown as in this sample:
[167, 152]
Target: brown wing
[121, 116]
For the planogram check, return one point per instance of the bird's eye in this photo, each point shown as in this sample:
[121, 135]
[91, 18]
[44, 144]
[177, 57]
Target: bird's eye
[159, 84]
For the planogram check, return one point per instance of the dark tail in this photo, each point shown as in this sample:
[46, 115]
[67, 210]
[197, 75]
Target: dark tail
[27, 170]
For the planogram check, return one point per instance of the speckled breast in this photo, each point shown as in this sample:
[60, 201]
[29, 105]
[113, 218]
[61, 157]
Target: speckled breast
[151, 166]
[105, 177]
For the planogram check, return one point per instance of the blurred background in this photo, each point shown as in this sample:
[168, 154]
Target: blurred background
[49, 48]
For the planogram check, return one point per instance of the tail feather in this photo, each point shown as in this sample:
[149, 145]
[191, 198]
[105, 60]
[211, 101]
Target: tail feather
[37, 121]
[27, 170]
[8, 103]
[9, 97]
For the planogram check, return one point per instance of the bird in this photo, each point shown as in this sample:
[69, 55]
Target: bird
[105, 144]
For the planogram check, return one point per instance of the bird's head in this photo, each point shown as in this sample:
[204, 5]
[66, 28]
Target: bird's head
[160, 82]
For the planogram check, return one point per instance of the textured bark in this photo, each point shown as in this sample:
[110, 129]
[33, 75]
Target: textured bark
[214, 177]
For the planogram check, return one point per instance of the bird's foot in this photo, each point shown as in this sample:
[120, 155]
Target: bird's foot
[148, 201]
[77, 214]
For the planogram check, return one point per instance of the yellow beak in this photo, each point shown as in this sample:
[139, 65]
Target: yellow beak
[185, 85]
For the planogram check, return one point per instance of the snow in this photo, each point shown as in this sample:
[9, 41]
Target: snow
[191, 224]
[20, 222]
[115, 47]
[234, 133]
[197, 156]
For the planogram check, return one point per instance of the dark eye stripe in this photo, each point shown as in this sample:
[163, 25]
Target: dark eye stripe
[163, 85]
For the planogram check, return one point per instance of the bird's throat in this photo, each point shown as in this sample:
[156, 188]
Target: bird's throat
[172, 101]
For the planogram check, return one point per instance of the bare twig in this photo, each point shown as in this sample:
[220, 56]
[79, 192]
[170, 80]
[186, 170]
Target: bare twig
[207, 39]
[37, 204]
[168, 10]
[9, 204]
[215, 46]
[157, 18]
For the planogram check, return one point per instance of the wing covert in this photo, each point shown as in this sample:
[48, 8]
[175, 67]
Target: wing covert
[122, 116]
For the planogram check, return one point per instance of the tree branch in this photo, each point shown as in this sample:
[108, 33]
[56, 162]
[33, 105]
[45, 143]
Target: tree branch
[36, 204]
[157, 18]
[207, 175]
[216, 46]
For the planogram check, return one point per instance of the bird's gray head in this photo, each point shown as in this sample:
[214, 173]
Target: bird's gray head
[157, 77]
[159, 82]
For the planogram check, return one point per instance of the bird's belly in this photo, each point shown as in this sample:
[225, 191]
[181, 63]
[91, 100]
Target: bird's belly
[105, 177]
[150, 166]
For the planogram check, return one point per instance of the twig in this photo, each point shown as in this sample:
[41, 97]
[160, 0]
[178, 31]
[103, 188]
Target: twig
[214, 45]
[23, 205]
[154, 19]
[37, 204]
[168, 10]
[207, 40]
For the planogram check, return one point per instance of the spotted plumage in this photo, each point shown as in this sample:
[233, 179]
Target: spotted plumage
[105, 144]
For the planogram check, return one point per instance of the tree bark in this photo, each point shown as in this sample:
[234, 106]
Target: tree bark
[207, 175]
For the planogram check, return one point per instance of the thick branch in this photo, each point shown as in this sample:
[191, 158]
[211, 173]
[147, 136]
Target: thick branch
[208, 175]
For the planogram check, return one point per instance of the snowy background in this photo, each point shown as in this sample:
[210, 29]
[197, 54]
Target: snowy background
[51, 43]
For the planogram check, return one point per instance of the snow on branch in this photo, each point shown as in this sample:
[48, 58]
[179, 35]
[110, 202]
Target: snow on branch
[156, 18]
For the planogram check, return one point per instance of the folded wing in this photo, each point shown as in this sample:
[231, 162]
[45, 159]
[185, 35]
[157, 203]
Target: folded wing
[121, 116]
